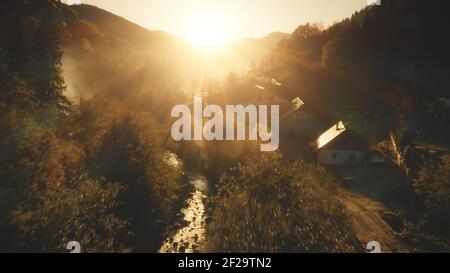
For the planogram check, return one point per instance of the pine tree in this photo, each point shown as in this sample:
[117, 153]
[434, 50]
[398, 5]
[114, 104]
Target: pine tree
[47, 67]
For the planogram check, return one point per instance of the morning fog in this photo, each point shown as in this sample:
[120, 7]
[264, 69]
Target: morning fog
[208, 123]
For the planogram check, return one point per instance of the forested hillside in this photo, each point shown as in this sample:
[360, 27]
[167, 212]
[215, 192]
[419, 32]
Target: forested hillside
[387, 60]
[384, 71]
[96, 172]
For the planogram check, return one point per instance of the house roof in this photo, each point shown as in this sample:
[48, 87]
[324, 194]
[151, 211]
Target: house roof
[329, 135]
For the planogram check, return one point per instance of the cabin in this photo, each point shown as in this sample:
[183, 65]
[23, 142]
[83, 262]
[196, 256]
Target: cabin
[305, 131]
[308, 133]
[296, 118]
[305, 122]
[300, 123]
[337, 147]
[292, 114]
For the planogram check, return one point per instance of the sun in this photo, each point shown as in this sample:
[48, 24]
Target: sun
[208, 30]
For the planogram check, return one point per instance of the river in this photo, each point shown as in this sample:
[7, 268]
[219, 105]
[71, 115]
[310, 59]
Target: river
[191, 236]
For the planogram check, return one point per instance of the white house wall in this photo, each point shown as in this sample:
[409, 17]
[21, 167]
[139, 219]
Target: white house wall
[343, 157]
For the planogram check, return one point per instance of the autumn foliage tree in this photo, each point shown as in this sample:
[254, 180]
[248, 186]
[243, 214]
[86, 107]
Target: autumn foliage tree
[265, 204]
[94, 173]
[432, 184]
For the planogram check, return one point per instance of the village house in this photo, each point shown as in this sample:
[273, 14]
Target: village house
[337, 147]
[296, 117]
[305, 132]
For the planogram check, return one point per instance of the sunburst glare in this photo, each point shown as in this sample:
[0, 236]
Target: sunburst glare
[208, 30]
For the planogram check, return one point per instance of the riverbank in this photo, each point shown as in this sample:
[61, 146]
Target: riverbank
[189, 234]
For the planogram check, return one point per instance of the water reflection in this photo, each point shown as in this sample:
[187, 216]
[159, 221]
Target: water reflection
[191, 237]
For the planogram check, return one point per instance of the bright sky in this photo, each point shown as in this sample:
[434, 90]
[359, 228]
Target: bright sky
[228, 20]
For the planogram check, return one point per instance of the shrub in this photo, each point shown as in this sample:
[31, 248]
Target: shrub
[268, 205]
[433, 187]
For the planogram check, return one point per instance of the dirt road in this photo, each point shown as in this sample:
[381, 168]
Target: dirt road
[369, 224]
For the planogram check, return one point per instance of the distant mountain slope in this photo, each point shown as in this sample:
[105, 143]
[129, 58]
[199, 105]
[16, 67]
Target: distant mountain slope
[110, 22]
[107, 55]
[110, 26]
[101, 25]
[119, 27]
[97, 42]
[271, 40]
[252, 51]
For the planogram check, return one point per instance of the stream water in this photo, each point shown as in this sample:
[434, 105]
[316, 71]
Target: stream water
[190, 237]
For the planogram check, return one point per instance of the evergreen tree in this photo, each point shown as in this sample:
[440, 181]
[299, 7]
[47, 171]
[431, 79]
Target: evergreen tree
[47, 66]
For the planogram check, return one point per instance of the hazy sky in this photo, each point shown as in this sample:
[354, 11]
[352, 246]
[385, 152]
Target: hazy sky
[239, 18]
